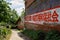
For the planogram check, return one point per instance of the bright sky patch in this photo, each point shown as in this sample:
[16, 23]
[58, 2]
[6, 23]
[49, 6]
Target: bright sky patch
[18, 5]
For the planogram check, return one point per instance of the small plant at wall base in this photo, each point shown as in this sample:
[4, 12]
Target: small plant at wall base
[52, 35]
[34, 34]
[41, 35]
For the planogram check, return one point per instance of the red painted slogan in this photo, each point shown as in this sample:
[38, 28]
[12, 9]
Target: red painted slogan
[47, 17]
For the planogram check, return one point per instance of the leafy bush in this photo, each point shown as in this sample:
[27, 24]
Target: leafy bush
[4, 32]
[41, 35]
[53, 35]
[34, 34]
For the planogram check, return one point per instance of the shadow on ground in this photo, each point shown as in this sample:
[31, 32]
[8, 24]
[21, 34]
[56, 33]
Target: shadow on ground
[23, 36]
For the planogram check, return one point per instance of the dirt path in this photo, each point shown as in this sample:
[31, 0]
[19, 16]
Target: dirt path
[17, 36]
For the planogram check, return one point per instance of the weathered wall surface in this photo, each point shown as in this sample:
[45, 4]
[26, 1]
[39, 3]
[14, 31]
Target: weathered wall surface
[39, 6]
[28, 2]
[37, 22]
[45, 27]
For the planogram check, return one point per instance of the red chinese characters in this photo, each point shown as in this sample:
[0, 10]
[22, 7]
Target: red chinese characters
[34, 17]
[28, 18]
[45, 16]
[40, 17]
[55, 17]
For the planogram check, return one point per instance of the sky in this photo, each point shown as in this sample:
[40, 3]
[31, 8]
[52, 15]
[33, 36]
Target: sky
[18, 5]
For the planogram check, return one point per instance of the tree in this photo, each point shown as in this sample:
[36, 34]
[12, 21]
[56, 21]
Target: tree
[22, 15]
[4, 11]
[6, 14]
[14, 17]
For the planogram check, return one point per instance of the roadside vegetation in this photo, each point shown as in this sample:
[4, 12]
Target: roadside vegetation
[42, 35]
[8, 18]
[4, 33]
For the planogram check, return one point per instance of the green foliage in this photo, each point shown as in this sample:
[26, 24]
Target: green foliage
[4, 8]
[14, 16]
[53, 35]
[6, 14]
[23, 12]
[8, 17]
[41, 35]
[4, 32]
[33, 34]
[22, 15]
